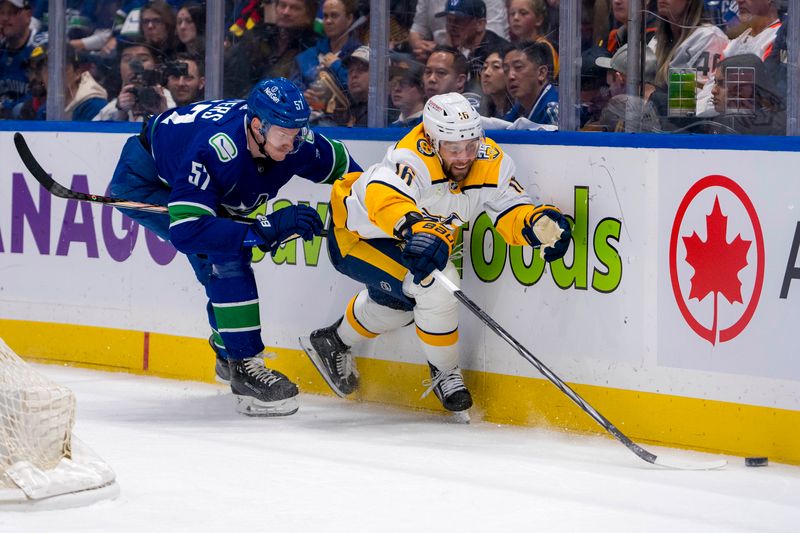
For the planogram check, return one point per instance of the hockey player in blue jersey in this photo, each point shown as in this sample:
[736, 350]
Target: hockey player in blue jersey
[230, 156]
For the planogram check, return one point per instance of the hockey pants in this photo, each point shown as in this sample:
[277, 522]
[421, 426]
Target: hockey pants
[391, 300]
[228, 279]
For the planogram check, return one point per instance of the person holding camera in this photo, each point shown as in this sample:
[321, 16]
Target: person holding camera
[185, 78]
[142, 94]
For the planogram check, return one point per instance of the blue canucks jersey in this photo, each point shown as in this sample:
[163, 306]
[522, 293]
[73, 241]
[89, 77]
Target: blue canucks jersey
[201, 154]
[13, 76]
[544, 111]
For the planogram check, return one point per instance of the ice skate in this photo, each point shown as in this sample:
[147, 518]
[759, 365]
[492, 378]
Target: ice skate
[450, 389]
[333, 359]
[221, 368]
[261, 391]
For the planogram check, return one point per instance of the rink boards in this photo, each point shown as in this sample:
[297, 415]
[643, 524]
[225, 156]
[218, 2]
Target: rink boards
[674, 314]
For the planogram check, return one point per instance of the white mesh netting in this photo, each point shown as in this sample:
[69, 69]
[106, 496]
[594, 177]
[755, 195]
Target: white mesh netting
[36, 416]
[38, 460]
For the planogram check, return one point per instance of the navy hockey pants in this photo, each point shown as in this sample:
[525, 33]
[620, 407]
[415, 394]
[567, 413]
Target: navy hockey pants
[226, 279]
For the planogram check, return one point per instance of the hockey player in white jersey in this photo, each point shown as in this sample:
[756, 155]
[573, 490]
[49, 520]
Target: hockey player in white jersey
[394, 224]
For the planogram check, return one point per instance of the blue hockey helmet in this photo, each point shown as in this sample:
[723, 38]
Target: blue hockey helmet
[278, 102]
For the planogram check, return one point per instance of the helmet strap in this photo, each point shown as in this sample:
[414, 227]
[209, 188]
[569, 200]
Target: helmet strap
[261, 145]
[435, 147]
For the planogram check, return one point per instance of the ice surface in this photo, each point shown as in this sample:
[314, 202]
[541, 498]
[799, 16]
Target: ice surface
[186, 462]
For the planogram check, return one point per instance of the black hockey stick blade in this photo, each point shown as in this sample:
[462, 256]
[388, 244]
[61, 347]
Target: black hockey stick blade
[566, 389]
[56, 189]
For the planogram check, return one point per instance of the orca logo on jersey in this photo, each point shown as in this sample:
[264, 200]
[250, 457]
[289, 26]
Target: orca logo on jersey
[224, 147]
[424, 147]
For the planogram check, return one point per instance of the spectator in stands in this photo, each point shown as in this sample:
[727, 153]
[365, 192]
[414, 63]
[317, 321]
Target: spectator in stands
[594, 90]
[761, 19]
[18, 41]
[466, 30]
[528, 78]
[186, 79]
[158, 28]
[401, 17]
[83, 96]
[496, 101]
[527, 20]
[747, 99]
[620, 108]
[551, 30]
[141, 94]
[777, 60]
[620, 10]
[445, 72]
[681, 40]
[357, 65]
[617, 78]
[269, 49]
[190, 28]
[339, 42]
[407, 93]
[595, 22]
[354, 110]
[428, 31]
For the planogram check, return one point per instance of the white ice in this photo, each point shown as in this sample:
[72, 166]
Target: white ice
[186, 462]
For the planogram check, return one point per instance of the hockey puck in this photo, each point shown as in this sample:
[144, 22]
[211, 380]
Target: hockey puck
[756, 461]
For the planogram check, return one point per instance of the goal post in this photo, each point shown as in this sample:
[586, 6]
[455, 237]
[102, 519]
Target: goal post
[42, 464]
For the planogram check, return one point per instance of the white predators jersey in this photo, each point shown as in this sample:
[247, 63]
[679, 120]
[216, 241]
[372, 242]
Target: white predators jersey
[747, 43]
[702, 50]
[410, 178]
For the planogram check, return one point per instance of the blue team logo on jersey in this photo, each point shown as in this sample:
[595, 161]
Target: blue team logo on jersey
[224, 147]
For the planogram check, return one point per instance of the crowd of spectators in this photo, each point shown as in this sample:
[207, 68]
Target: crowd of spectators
[709, 66]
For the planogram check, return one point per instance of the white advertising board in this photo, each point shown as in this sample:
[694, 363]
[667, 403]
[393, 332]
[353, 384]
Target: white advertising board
[607, 315]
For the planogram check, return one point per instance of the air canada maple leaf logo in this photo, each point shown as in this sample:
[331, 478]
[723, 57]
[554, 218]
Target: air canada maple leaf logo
[718, 261]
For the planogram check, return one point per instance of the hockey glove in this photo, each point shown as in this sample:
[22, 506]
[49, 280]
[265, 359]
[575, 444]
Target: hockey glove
[548, 228]
[427, 246]
[270, 231]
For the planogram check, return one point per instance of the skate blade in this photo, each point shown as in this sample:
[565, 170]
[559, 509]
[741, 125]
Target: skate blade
[219, 379]
[305, 343]
[460, 417]
[249, 406]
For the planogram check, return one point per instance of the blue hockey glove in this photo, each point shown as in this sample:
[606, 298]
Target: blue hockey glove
[270, 231]
[427, 247]
[548, 228]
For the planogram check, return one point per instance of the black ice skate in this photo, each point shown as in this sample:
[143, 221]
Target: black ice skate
[449, 388]
[333, 359]
[221, 368]
[261, 391]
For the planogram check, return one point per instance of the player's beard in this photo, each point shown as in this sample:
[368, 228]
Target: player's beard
[456, 175]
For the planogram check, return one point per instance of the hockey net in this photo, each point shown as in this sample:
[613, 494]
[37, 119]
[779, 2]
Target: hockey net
[42, 464]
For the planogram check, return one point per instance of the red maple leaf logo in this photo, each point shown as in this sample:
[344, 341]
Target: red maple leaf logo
[716, 262]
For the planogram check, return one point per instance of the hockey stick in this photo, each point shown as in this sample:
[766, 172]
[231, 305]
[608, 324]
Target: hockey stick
[56, 189]
[563, 387]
